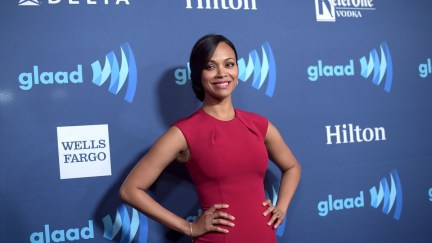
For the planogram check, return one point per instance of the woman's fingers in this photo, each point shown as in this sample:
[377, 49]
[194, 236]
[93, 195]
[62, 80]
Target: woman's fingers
[216, 212]
[218, 221]
[214, 217]
[221, 221]
[217, 206]
[267, 203]
[223, 215]
[277, 216]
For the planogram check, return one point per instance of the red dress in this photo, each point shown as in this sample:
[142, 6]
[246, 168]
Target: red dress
[228, 164]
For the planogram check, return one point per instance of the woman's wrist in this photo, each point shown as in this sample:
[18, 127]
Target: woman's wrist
[186, 228]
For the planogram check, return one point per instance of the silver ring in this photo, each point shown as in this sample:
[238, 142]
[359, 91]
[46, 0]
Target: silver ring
[213, 222]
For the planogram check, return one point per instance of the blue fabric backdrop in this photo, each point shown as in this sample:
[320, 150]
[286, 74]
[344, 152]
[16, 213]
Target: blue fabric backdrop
[87, 86]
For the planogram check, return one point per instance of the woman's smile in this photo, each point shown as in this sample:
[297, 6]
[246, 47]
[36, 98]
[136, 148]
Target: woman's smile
[221, 84]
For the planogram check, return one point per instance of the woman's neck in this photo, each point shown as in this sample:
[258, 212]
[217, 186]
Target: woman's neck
[222, 111]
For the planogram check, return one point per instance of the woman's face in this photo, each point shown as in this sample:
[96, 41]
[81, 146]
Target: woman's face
[220, 76]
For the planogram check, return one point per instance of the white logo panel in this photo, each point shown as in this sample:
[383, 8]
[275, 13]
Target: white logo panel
[84, 151]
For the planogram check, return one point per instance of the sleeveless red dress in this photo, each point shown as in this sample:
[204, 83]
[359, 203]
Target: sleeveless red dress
[228, 164]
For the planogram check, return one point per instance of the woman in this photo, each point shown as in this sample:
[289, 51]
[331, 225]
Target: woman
[226, 152]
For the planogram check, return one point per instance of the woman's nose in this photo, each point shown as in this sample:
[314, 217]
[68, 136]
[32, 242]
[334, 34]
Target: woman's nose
[221, 72]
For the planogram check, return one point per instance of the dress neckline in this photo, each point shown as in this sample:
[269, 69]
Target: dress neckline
[219, 120]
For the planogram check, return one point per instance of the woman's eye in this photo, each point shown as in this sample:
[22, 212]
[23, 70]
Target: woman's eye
[210, 67]
[231, 64]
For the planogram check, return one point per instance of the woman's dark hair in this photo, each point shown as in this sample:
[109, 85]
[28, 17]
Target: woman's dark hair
[200, 56]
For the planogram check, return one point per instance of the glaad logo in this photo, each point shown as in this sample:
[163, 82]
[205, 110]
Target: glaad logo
[118, 76]
[129, 227]
[350, 134]
[328, 10]
[111, 68]
[70, 2]
[28, 80]
[260, 70]
[222, 4]
[390, 197]
[425, 68]
[61, 235]
[379, 68]
[29, 3]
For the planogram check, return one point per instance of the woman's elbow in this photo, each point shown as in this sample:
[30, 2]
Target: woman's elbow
[124, 192]
[297, 169]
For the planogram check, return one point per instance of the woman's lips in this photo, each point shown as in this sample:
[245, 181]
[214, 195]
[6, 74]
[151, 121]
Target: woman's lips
[221, 84]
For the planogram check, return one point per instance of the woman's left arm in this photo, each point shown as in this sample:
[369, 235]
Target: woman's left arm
[282, 156]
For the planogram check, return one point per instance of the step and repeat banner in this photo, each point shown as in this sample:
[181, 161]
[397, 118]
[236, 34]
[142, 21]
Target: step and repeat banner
[87, 86]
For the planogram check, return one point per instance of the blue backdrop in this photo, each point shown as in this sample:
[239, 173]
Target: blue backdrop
[87, 86]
